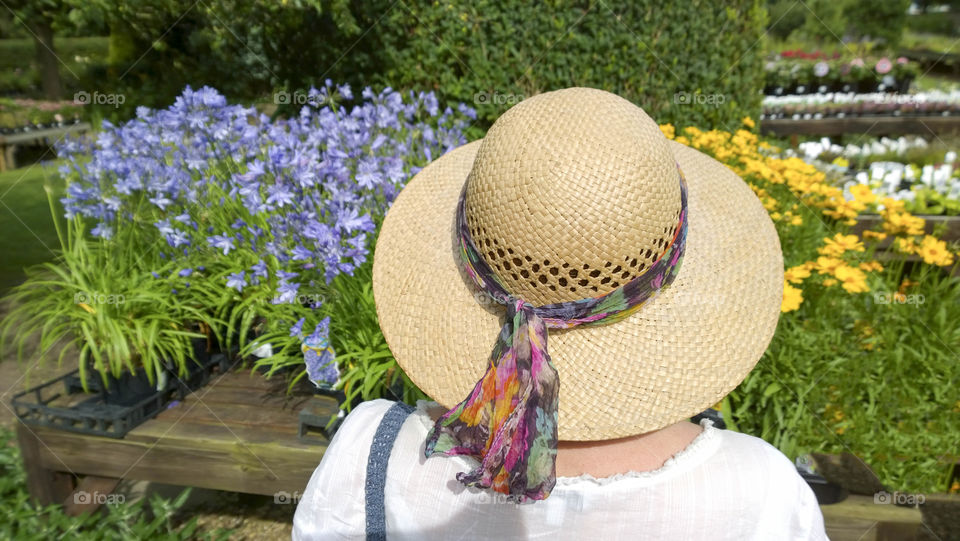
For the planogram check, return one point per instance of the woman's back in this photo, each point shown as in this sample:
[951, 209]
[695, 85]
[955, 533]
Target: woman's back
[724, 485]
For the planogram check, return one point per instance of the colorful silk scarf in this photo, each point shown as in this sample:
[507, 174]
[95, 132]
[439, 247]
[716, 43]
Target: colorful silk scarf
[509, 421]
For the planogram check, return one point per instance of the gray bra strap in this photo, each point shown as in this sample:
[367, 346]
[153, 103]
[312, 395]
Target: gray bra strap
[377, 468]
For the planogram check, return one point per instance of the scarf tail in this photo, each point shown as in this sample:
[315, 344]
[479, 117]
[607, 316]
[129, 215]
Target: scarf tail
[509, 421]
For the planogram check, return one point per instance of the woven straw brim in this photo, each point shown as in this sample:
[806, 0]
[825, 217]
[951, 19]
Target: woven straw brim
[679, 354]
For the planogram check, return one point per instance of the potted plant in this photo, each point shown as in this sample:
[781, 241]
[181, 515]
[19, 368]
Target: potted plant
[802, 72]
[904, 72]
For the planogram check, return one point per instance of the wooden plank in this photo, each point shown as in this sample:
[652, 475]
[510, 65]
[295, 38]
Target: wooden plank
[252, 468]
[231, 414]
[33, 135]
[242, 378]
[174, 424]
[872, 125]
[859, 518]
[216, 432]
[239, 395]
[46, 485]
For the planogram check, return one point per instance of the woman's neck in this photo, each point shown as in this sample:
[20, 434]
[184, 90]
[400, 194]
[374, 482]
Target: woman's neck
[644, 452]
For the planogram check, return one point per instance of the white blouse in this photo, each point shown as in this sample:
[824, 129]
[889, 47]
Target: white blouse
[724, 485]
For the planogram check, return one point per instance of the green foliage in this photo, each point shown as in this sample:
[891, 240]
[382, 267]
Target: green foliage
[829, 23]
[662, 56]
[272, 44]
[688, 63]
[947, 24]
[878, 20]
[368, 369]
[28, 232]
[850, 374]
[861, 373]
[784, 16]
[19, 74]
[100, 297]
[21, 520]
[930, 201]
[825, 21]
[17, 113]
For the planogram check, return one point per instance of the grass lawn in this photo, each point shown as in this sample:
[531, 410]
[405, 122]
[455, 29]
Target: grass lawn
[27, 235]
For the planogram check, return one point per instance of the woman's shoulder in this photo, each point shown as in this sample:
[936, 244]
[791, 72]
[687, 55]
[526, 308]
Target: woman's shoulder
[754, 451]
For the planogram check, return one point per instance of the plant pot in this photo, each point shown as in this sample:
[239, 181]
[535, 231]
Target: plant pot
[850, 87]
[848, 471]
[826, 492]
[903, 85]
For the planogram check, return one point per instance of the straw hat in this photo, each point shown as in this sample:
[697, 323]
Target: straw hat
[570, 195]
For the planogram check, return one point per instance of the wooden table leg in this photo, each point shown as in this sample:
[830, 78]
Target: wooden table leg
[91, 493]
[9, 158]
[45, 486]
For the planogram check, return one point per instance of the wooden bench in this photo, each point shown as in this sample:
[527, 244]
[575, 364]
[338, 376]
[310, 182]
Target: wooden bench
[10, 142]
[238, 433]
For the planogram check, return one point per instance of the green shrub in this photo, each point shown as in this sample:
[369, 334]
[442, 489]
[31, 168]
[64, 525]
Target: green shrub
[784, 16]
[684, 62]
[947, 24]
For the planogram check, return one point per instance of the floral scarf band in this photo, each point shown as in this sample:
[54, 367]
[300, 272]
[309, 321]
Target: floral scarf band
[509, 420]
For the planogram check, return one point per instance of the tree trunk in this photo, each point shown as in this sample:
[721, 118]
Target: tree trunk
[46, 58]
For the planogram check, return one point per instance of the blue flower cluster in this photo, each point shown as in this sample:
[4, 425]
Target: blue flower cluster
[257, 215]
[218, 179]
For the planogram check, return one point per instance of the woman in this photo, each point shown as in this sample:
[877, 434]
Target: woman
[656, 276]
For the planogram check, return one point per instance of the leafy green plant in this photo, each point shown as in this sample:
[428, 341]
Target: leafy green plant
[929, 201]
[368, 369]
[143, 519]
[99, 297]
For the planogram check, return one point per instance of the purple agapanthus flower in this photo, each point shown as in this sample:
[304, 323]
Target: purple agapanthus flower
[221, 241]
[237, 281]
[297, 328]
[286, 292]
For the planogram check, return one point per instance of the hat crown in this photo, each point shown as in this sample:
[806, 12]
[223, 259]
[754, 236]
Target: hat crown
[572, 194]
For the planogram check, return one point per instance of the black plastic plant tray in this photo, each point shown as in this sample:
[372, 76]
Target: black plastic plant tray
[93, 415]
[104, 414]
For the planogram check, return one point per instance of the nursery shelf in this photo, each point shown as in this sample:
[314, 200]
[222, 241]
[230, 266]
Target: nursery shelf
[872, 125]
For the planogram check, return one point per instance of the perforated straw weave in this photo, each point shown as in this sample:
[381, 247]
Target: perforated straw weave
[571, 194]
